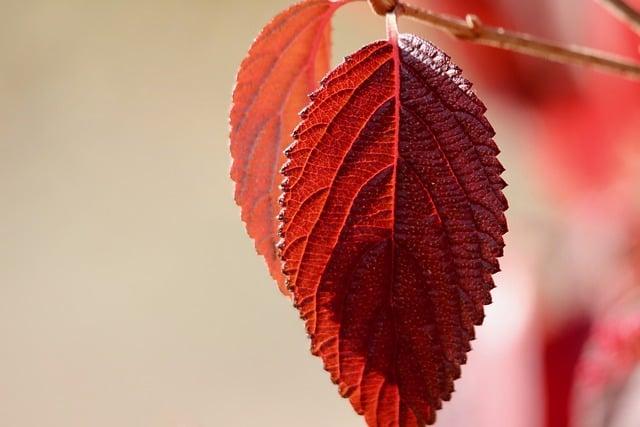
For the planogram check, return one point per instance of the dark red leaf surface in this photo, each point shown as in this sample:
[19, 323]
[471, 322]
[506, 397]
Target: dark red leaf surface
[392, 225]
[284, 64]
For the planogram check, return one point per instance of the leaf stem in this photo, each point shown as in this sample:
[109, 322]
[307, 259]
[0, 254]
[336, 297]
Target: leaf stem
[472, 29]
[392, 27]
[621, 10]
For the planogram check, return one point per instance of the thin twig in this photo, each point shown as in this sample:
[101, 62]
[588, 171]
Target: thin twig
[474, 31]
[621, 10]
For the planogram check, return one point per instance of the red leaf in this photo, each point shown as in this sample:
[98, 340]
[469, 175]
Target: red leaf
[561, 351]
[392, 225]
[607, 367]
[283, 65]
[613, 354]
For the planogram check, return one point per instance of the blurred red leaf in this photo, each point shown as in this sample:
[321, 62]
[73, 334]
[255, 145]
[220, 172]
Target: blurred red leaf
[562, 349]
[582, 134]
[579, 145]
[392, 225]
[606, 367]
[283, 65]
[613, 353]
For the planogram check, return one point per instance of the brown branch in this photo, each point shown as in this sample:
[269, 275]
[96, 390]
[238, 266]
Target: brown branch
[382, 7]
[474, 31]
[621, 10]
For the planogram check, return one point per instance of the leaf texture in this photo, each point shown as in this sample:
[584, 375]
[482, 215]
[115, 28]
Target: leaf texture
[392, 225]
[283, 65]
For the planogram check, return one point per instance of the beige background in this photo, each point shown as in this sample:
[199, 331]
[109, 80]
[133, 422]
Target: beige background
[129, 293]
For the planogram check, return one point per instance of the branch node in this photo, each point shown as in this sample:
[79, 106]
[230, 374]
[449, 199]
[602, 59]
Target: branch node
[474, 26]
[474, 23]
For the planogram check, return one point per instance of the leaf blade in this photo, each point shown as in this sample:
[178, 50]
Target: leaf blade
[284, 63]
[393, 183]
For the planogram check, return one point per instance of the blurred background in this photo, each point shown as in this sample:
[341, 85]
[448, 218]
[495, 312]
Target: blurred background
[131, 296]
